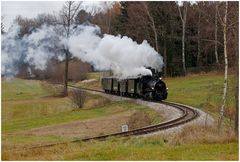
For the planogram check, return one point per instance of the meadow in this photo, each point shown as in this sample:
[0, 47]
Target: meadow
[26, 105]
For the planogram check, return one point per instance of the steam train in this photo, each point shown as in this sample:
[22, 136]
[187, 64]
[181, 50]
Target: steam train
[147, 87]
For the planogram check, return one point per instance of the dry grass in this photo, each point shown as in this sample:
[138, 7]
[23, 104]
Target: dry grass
[200, 135]
[151, 148]
[138, 120]
[83, 129]
[91, 102]
[78, 97]
[53, 89]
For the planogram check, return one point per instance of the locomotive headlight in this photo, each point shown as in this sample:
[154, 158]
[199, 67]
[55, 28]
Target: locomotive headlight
[152, 88]
[167, 88]
[160, 78]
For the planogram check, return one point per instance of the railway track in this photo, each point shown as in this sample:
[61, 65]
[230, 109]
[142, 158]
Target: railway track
[188, 114]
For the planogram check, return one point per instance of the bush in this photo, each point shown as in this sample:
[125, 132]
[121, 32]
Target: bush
[138, 119]
[78, 97]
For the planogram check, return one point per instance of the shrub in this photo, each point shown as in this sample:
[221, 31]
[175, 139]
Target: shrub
[78, 97]
[138, 120]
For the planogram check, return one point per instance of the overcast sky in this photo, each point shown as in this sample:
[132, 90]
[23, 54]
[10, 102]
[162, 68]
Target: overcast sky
[30, 9]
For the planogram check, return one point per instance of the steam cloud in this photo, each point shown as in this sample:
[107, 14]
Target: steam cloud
[122, 55]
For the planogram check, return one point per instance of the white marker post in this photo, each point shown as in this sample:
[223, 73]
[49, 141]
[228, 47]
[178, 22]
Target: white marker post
[125, 128]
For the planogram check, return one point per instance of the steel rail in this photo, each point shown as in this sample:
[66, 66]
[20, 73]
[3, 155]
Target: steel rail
[188, 114]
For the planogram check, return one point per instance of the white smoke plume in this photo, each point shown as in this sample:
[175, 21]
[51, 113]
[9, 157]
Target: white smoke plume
[11, 51]
[42, 45]
[122, 55]
[34, 49]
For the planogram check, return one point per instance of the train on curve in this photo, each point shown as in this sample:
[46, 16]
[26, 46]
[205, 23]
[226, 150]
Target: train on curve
[150, 87]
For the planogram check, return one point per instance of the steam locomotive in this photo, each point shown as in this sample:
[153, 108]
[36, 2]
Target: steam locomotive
[146, 87]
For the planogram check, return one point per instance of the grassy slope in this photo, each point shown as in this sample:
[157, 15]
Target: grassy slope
[130, 149]
[154, 151]
[26, 105]
[18, 89]
[63, 117]
[203, 91]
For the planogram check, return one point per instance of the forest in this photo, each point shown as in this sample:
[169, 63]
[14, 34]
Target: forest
[189, 36]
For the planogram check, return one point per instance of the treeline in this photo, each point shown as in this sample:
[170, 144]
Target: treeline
[188, 36]
[164, 24]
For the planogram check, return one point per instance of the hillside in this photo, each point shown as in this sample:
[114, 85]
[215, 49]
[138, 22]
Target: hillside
[28, 109]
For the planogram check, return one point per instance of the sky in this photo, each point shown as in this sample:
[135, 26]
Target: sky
[30, 9]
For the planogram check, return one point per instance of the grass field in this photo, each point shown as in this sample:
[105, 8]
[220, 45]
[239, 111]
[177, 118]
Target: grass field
[28, 106]
[130, 149]
[202, 91]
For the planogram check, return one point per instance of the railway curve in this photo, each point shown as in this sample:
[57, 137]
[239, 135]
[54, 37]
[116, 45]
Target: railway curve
[187, 114]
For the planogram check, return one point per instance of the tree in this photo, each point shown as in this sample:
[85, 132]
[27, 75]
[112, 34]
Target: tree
[67, 18]
[105, 20]
[152, 24]
[216, 32]
[199, 37]
[183, 16]
[165, 22]
[119, 26]
[224, 24]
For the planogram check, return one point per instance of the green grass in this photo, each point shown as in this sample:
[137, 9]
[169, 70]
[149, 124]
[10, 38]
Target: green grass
[18, 89]
[31, 111]
[129, 149]
[26, 139]
[77, 115]
[35, 108]
[202, 91]
[20, 113]
[153, 151]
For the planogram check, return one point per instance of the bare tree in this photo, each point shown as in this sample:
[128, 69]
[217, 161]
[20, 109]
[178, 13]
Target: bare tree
[152, 24]
[224, 24]
[67, 16]
[216, 32]
[183, 16]
[108, 17]
[198, 38]
[105, 19]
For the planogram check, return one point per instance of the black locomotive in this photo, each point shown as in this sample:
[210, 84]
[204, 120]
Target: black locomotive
[147, 87]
